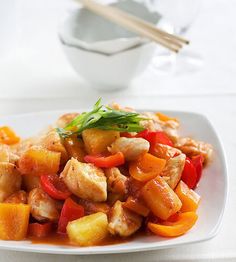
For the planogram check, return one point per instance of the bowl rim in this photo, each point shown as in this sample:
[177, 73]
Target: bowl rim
[74, 46]
[70, 40]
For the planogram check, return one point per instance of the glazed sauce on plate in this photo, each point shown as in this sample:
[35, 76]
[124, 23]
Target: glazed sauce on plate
[63, 240]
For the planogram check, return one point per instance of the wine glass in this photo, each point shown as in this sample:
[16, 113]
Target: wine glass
[180, 14]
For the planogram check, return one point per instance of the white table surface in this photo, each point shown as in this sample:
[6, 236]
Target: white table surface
[38, 77]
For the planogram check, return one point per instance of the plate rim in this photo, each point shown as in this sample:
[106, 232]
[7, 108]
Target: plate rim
[50, 249]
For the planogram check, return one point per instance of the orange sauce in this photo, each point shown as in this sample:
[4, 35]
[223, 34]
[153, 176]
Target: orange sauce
[63, 240]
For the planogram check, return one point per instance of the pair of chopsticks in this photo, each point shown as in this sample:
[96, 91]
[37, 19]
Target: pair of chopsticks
[136, 25]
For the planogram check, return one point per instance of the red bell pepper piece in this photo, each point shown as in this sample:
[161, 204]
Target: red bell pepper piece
[39, 230]
[70, 211]
[189, 175]
[54, 187]
[106, 162]
[155, 137]
[197, 161]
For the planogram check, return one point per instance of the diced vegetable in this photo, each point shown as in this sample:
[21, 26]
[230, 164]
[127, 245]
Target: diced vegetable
[106, 162]
[146, 167]
[14, 220]
[39, 230]
[96, 141]
[88, 230]
[70, 211]
[173, 229]
[165, 118]
[160, 198]
[164, 151]
[75, 148]
[53, 142]
[39, 161]
[10, 180]
[189, 175]
[190, 199]
[136, 206]
[8, 136]
[197, 161]
[154, 137]
[54, 187]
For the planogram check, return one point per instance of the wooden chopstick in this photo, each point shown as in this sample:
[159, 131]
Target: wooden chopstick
[114, 16]
[136, 25]
[151, 26]
[148, 25]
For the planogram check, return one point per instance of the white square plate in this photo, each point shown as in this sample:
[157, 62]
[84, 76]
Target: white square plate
[212, 188]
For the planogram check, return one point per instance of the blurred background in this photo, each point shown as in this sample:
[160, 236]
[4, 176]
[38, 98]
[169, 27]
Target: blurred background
[31, 51]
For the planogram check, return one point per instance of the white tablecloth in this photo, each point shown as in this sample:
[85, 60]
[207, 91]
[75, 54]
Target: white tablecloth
[38, 77]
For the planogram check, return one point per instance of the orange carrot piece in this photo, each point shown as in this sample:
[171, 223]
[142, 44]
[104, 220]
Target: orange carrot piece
[8, 136]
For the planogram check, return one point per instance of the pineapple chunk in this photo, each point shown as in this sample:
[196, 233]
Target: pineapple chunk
[52, 141]
[160, 198]
[14, 221]
[39, 161]
[96, 141]
[88, 230]
[10, 180]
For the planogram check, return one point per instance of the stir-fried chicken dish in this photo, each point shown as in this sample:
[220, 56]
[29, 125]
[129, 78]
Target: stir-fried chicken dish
[109, 172]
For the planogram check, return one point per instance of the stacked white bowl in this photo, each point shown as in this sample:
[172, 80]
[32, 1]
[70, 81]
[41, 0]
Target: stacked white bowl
[103, 53]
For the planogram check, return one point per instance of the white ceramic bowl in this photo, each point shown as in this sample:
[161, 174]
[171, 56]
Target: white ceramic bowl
[103, 53]
[109, 72]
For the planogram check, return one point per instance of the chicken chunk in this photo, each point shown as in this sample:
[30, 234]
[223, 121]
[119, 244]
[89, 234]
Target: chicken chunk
[52, 141]
[132, 148]
[7, 154]
[116, 182]
[43, 207]
[122, 221]
[192, 147]
[85, 180]
[19, 197]
[65, 119]
[170, 127]
[91, 207]
[10, 180]
[116, 106]
[173, 170]
[117, 185]
[152, 123]
[165, 151]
